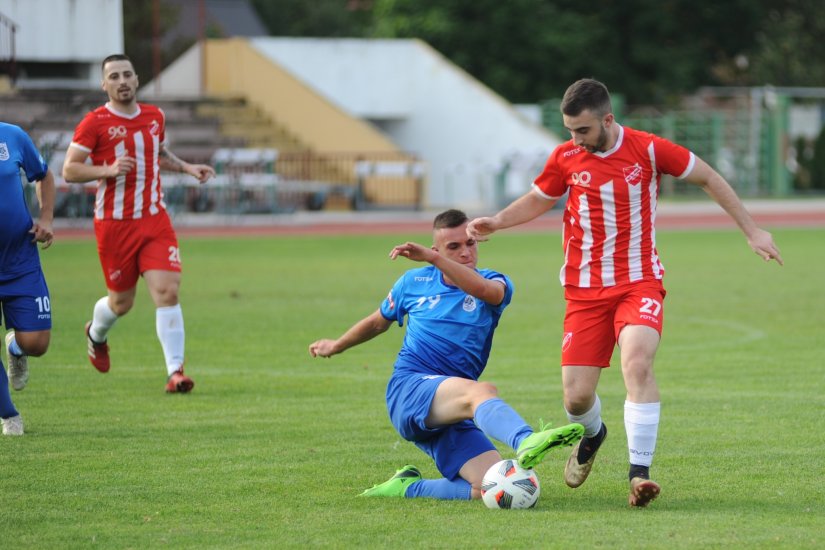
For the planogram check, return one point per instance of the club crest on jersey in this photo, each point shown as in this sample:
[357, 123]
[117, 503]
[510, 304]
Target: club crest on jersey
[633, 174]
[154, 128]
[4, 151]
[469, 304]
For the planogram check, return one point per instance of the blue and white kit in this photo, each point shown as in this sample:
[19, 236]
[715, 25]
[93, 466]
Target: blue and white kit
[23, 292]
[449, 334]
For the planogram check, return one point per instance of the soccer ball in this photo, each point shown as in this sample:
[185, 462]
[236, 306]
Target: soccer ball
[508, 485]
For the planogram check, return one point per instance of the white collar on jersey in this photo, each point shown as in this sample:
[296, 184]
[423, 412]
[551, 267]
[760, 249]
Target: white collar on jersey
[122, 114]
[615, 147]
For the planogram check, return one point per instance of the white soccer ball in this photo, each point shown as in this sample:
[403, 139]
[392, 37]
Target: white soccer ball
[508, 485]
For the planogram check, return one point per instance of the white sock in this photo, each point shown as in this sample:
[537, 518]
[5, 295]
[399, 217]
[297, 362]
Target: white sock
[103, 319]
[641, 422]
[169, 324]
[591, 420]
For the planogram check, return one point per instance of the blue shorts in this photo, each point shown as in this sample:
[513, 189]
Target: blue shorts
[25, 301]
[409, 396]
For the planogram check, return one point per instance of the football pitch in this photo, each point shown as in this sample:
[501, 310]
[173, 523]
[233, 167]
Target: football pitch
[272, 447]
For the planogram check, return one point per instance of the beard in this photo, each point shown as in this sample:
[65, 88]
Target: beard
[601, 141]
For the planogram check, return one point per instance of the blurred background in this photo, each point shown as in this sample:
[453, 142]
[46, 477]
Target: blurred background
[357, 105]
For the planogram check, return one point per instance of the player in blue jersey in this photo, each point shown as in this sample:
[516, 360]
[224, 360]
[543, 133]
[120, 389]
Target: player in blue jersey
[434, 397]
[24, 297]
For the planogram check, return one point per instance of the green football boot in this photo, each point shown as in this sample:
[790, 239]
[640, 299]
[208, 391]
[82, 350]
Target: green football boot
[396, 486]
[532, 450]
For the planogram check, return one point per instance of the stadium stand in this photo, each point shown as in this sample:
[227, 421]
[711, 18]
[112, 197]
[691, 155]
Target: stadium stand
[261, 167]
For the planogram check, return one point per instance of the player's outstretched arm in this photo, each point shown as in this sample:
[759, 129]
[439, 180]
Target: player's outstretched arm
[366, 329]
[529, 206]
[463, 277]
[413, 251]
[760, 241]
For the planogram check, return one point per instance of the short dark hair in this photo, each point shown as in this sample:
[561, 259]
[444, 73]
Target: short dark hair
[586, 95]
[449, 219]
[115, 57]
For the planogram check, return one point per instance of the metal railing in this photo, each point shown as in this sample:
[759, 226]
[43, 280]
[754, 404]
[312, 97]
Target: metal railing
[267, 183]
[743, 132]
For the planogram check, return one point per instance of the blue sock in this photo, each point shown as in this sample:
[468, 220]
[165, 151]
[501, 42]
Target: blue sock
[15, 349]
[7, 409]
[444, 489]
[498, 420]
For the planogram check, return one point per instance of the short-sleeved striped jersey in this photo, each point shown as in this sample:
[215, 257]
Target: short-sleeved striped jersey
[609, 222]
[106, 135]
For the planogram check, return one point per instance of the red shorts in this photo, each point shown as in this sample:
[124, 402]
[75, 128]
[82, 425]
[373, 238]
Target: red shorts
[127, 248]
[595, 317]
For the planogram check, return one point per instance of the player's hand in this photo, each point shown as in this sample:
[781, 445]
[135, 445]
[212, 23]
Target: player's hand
[121, 166]
[322, 348]
[202, 172]
[42, 233]
[762, 243]
[480, 229]
[413, 251]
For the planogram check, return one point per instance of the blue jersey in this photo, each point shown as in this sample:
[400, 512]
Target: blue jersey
[18, 255]
[449, 332]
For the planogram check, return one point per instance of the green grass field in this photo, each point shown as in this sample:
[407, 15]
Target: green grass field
[272, 447]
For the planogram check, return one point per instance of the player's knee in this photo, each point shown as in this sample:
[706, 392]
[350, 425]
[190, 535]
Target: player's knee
[34, 347]
[121, 306]
[578, 403]
[578, 396]
[475, 481]
[638, 371]
[476, 394]
[485, 391]
[37, 351]
[166, 296]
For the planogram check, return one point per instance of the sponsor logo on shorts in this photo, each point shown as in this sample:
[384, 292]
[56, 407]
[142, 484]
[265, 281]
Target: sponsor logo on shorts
[566, 341]
[114, 275]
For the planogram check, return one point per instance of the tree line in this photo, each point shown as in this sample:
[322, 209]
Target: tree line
[652, 51]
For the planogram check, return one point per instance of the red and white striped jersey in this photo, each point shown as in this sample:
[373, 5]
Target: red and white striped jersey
[609, 223]
[107, 134]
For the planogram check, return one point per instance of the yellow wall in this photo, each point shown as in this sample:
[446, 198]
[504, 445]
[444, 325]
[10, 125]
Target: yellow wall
[235, 69]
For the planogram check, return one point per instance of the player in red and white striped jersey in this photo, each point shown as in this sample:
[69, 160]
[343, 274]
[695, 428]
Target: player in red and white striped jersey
[612, 275]
[123, 141]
